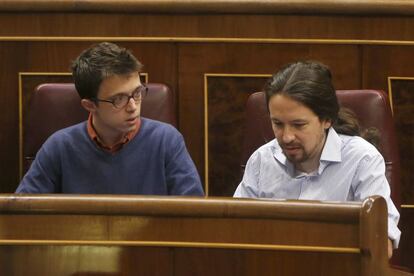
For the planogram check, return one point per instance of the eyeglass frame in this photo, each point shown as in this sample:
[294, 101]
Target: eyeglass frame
[142, 92]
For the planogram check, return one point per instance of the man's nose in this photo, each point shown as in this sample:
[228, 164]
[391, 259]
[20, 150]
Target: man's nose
[287, 135]
[131, 105]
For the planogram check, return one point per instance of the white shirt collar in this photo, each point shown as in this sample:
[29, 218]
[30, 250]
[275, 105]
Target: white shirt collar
[331, 152]
[332, 149]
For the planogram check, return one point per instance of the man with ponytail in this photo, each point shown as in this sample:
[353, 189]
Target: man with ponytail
[318, 153]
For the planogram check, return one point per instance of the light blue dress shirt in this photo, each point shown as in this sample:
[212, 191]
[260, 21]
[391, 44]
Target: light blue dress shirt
[350, 169]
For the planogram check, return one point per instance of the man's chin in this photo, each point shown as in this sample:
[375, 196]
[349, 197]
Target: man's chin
[131, 128]
[294, 159]
[128, 128]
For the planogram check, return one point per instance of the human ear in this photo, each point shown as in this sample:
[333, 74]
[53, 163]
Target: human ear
[326, 124]
[89, 105]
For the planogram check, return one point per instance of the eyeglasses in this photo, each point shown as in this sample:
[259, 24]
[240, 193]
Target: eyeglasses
[121, 100]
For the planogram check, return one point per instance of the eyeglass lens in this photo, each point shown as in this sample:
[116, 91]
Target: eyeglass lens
[137, 95]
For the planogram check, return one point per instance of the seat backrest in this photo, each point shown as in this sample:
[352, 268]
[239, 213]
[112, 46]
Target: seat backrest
[54, 106]
[370, 106]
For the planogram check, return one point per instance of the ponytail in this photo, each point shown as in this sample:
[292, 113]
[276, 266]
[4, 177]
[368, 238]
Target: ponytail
[347, 123]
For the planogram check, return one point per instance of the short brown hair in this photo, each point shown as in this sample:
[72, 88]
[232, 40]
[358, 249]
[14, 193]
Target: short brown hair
[98, 62]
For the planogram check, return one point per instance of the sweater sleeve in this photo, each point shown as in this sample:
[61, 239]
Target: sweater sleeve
[44, 173]
[181, 174]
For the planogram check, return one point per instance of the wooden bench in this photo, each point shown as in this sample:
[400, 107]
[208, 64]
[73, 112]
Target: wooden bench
[138, 235]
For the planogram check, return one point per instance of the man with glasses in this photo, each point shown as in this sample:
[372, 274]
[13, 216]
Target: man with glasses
[115, 151]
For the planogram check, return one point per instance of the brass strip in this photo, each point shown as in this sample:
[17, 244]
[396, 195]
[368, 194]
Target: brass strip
[401, 78]
[65, 74]
[206, 135]
[407, 206]
[331, 249]
[237, 75]
[210, 39]
[206, 76]
[20, 96]
[45, 74]
[390, 95]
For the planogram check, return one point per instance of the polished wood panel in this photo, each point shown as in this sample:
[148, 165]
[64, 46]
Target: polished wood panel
[395, 63]
[206, 26]
[218, 6]
[79, 260]
[403, 107]
[364, 42]
[226, 97]
[407, 237]
[10, 54]
[259, 262]
[76, 235]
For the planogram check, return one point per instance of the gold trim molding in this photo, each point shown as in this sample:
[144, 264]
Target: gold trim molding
[209, 40]
[298, 248]
[325, 7]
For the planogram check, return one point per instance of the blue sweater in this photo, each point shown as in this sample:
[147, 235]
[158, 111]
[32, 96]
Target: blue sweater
[154, 162]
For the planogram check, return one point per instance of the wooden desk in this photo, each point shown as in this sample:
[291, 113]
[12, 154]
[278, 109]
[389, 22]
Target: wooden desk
[197, 47]
[133, 235]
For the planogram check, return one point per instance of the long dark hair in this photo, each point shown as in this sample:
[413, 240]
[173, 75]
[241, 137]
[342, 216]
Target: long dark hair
[310, 83]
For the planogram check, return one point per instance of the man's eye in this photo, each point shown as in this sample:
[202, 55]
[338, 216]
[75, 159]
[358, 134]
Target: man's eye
[301, 125]
[118, 99]
[136, 95]
[277, 124]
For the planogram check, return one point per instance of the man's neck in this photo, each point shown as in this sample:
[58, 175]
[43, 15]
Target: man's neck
[308, 167]
[106, 137]
[312, 164]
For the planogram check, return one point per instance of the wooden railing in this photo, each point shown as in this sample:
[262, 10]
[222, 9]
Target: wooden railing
[136, 235]
[395, 7]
